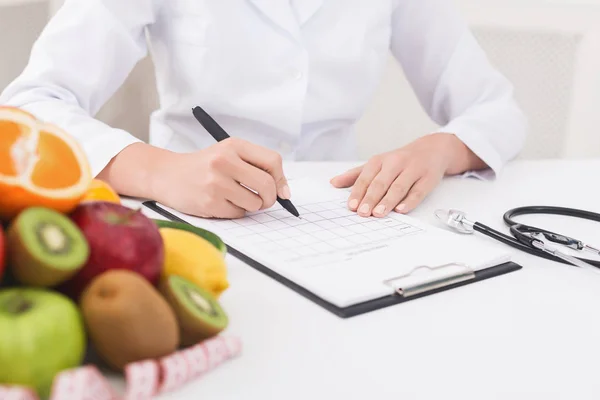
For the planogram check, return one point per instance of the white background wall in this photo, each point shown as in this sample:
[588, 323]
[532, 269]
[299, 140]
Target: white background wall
[22, 20]
[19, 27]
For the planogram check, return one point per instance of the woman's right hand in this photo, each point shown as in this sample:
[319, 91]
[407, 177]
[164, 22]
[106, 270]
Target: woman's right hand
[208, 183]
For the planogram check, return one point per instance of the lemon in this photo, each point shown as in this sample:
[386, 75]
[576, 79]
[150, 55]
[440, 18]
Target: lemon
[208, 235]
[195, 259]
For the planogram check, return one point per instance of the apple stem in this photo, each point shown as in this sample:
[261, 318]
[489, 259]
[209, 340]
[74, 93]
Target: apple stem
[125, 217]
[129, 214]
[17, 304]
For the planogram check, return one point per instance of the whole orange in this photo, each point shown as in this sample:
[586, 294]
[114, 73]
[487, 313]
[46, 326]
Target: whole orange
[101, 191]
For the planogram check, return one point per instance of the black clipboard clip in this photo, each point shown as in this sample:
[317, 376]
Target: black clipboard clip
[423, 279]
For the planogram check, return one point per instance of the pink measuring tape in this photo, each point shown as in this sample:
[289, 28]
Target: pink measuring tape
[144, 379]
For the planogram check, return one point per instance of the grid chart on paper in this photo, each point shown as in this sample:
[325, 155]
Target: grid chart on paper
[324, 228]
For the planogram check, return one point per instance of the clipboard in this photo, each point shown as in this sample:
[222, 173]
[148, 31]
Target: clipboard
[423, 280]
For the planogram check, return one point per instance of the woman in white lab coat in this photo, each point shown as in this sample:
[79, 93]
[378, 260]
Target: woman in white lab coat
[287, 78]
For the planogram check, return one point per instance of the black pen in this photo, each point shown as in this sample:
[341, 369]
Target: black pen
[219, 134]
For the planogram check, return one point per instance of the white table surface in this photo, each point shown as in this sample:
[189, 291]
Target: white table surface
[532, 334]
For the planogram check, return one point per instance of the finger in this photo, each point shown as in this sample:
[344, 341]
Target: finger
[256, 181]
[366, 176]
[347, 179]
[377, 190]
[268, 161]
[242, 197]
[231, 166]
[417, 193]
[214, 202]
[220, 208]
[397, 191]
[228, 210]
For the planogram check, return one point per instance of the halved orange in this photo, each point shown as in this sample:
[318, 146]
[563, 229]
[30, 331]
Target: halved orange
[101, 191]
[40, 165]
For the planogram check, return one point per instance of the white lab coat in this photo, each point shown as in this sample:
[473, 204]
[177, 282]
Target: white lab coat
[291, 75]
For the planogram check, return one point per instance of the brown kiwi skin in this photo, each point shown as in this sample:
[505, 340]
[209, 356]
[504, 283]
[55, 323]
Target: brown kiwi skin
[191, 330]
[25, 268]
[127, 319]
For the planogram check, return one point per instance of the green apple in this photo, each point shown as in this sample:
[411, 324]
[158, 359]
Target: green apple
[42, 333]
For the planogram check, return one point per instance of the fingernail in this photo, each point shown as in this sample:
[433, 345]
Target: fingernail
[380, 209]
[364, 209]
[285, 192]
[400, 208]
[353, 204]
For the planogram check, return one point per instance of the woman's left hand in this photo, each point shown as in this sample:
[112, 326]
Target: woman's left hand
[400, 179]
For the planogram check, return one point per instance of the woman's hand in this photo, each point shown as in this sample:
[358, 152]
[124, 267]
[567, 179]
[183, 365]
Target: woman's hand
[399, 180]
[210, 182]
[206, 183]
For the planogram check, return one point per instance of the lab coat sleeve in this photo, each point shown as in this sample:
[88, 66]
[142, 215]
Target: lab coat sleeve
[81, 58]
[455, 82]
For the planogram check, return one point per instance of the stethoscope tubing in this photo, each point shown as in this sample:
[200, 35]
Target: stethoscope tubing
[511, 241]
[565, 211]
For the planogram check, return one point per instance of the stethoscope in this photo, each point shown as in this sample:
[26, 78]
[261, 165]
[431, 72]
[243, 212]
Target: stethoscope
[527, 238]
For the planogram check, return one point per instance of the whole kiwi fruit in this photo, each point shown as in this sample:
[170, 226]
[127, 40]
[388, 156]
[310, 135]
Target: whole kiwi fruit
[127, 319]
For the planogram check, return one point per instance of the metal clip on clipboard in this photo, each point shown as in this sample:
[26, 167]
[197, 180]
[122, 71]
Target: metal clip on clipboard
[424, 279]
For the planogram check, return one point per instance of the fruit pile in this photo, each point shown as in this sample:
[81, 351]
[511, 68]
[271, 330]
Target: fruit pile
[83, 277]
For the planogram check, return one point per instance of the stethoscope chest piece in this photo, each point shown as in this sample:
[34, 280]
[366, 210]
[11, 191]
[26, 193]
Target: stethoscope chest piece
[456, 220]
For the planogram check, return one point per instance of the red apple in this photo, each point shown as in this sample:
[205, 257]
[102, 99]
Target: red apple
[2, 254]
[119, 238]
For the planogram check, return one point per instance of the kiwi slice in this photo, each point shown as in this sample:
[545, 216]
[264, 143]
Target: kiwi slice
[199, 314]
[46, 247]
